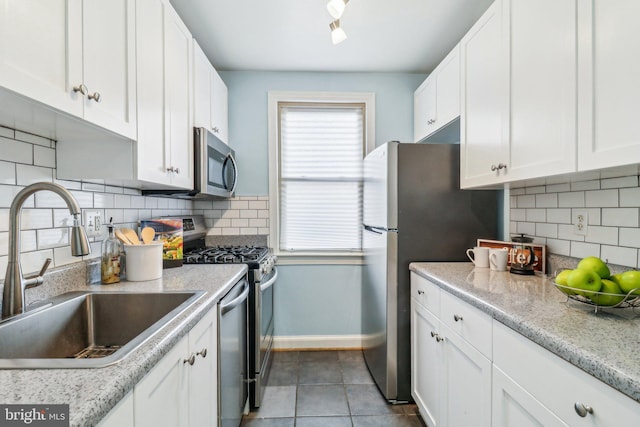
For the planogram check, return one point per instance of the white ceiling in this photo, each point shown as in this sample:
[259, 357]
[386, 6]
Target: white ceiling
[294, 35]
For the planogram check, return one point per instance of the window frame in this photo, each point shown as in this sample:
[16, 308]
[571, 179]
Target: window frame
[274, 99]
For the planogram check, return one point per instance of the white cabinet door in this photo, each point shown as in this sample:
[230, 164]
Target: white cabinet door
[109, 64]
[121, 415]
[466, 383]
[541, 44]
[483, 96]
[448, 89]
[178, 87]
[426, 363]
[202, 89]
[609, 130]
[151, 145]
[203, 374]
[41, 51]
[424, 109]
[513, 406]
[219, 108]
[160, 398]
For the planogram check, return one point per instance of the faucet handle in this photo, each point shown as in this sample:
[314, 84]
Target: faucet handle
[38, 279]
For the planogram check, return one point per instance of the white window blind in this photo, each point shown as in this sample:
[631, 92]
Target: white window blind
[320, 176]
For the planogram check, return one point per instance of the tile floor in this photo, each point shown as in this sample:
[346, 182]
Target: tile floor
[326, 389]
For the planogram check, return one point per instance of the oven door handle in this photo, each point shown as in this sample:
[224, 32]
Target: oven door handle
[236, 301]
[266, 285]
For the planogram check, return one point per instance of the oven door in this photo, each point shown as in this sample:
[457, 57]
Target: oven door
[264, 291]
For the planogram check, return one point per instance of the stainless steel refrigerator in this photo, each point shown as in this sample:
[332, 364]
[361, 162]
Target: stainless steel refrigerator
[414, 210]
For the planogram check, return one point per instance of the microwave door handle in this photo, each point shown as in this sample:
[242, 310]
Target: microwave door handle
[235, 173]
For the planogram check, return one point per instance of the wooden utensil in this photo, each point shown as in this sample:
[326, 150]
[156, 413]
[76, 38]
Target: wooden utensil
[148, 234]
[120, 235]
[131, 235]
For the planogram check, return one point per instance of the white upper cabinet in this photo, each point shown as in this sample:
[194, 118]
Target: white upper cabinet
[541, 42]
[437, 101]
[210, 96]
[609, 68]
[518, 101]
[483, 94]
[75, 56]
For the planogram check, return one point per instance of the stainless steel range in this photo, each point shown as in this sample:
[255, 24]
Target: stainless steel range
[262, 276]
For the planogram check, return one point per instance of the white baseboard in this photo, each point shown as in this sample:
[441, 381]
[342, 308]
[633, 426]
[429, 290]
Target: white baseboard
[316, 342]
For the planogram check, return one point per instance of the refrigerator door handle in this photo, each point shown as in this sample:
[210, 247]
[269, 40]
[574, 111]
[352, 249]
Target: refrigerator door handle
[379, 230]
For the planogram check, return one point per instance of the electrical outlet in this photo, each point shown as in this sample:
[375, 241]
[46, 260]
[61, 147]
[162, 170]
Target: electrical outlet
[579, 219]
[92, 221]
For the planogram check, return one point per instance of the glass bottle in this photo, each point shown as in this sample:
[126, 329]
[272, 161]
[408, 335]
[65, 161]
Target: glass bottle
[110, 265]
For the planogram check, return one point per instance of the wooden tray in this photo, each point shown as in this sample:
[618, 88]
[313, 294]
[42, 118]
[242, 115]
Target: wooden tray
[539, 251]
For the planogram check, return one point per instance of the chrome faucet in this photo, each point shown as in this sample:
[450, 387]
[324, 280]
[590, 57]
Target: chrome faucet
[14, 282]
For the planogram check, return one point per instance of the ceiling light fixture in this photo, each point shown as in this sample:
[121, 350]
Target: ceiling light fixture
[336, 8]
[337, 34]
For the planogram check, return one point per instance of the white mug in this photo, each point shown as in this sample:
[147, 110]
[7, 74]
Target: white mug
[498, 259]
[480, 256]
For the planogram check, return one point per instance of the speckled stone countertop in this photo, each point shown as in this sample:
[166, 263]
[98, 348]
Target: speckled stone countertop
[92, 393]
[606, 344]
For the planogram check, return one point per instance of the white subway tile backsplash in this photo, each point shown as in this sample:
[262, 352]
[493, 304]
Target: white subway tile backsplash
[547, 200]
[547, 230]
[15, 151]
[517, 191]
[527, 201]
[258, 204]
[221, 204]
[583, 250]
[231, 231]
[526, 228]
[93, 186]
[213, 213]
[629, 237]
[122, 201]
[4, 219]
[113, 189]
[239, 222]
[249, 213]
[258, 222]
[32, 262]
[230, 213]
[44, 156]
[248, 231]
[116, 214]
[53, 238]
[558, 216]
[603, 235]
[619, 255]
[4, 243]
[137, 202]
[601, 198]
[33, 139]
[558, 188]
[573, 199]
[519, 214]
[7, 132]
[627, 181]
[595, 216]
[263, 214]
[203, 204]
[536, 215]
[7, 173]
[630, 197]
[69, 185]
[103, 200]
[131, 191]
[239, 204]
[585, 185]
[628, 170]
[28, 174]
[620, 217]
[559, 247]
[62, 218]
[535, 190]
[151, 203]
[36, 218]
[567, 232]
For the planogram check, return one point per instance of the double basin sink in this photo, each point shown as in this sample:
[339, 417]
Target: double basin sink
[87, 329]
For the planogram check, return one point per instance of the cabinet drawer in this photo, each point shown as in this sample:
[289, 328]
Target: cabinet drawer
[469, 322]
[426, 293]
[559, 385]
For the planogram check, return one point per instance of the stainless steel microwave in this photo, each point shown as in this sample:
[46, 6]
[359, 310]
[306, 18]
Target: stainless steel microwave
[215, 172]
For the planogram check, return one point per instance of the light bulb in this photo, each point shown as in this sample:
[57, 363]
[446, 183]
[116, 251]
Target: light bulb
[336, 7]
[337, 34]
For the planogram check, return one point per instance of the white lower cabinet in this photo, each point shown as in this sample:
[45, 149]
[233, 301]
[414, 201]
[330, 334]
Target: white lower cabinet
[513, 406]
[182, 388]
[451, 379]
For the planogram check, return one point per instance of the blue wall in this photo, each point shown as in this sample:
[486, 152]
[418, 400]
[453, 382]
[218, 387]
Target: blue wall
[311, 299]
[248, 112]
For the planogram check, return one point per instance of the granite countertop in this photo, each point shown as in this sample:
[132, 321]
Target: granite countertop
[606, 344]
[92, 393]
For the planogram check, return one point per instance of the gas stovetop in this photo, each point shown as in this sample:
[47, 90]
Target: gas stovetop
[226, 255]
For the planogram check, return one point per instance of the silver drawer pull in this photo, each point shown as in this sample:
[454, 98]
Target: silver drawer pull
[95, 96]
[81, 88]
[457, 318]
[191, 360]
[436, 336]
[582, 409]
[420, 292]
[202, 353]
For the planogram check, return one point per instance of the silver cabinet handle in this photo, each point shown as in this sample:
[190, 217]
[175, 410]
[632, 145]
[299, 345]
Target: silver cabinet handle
[202, 353]
[81, 88]
[172, 169]
[436, 336]
[582, 409]
[215, 129]
[420, 292]
[95, 96]
[191, 360]
[494, 168]
[457, 318]
[177, 171]
[497, 168]
[431, 121]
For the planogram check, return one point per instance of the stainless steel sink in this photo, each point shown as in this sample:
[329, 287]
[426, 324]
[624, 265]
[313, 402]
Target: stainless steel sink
[87, 329]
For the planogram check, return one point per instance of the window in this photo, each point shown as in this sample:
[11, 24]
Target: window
[316, 185]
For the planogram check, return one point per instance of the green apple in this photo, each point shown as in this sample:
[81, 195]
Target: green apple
[630, 280]
[595, 264]
[608, 287]
[616, 278]
[587, 280]
[561, 279]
